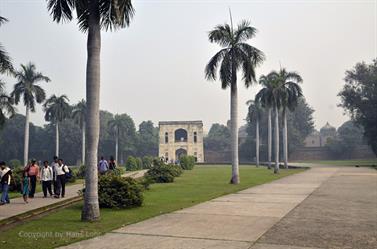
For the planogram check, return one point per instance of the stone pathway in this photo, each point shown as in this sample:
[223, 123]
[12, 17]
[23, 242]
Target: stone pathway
[322, 207]
[17, 205]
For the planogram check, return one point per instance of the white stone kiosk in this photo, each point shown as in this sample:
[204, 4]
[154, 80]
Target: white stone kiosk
[179, 138]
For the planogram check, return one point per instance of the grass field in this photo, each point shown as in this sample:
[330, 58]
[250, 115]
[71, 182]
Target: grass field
[359, 162]
[199, 185]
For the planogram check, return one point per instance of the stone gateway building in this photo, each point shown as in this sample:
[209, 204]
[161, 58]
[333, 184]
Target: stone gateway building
[179, 138]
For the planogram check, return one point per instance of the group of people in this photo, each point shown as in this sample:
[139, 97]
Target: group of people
[52, 177]
[104, 166]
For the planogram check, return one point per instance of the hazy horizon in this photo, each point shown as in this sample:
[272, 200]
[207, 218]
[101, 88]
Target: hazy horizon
[154, 70]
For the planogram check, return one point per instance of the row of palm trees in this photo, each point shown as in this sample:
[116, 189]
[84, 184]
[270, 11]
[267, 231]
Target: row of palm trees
[280, 89]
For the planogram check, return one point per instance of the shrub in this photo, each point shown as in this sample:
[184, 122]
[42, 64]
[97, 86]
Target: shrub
[163, 173]
[187, 162]
[81, 172]
[131, 164]
[17, 175]
[119, 192]
[147, 162]
[15, 163]
[139, 163]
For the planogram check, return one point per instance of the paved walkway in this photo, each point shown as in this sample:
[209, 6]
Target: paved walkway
[324, 207]
[18, 206]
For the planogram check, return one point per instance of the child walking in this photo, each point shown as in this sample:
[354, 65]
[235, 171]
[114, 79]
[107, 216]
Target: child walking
[25, 186]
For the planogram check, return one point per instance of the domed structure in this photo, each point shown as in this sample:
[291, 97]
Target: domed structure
[328, 133]
[328, 130]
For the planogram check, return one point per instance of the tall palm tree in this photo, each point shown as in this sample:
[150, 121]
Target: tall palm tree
[56, 110]
[6, 105]
[79, 115]
[270, 97]
[92, 16]
[235, 55]
[255, 110]
[5, 61]
[32, 93]
[290, 92]
[119, 127]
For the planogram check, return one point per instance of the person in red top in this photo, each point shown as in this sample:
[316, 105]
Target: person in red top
[33, 172]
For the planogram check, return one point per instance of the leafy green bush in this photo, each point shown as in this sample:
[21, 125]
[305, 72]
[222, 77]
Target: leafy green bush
[15, 163]
[131, 164]
[163, 173]
[17, 175]
[187, 162]
[81, 172]
[139, 162]
[119, 192]
[147, 162]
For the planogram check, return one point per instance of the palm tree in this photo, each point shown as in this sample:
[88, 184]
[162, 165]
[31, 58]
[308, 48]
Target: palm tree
[92, 16]
[5, 61]
[269, 97]
[56, 110]
[255, 114]
[290, 94]
[235, 55]
[31, 93]
[6, 105]
[79, 115]
[119, 127]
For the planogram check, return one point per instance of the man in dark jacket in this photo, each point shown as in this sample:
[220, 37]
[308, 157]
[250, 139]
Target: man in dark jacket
[6, 175]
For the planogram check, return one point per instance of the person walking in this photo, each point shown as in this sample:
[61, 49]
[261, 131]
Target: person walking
[60, 172]
[25, 185]
[46, 178]
[53, 165]
[103, 166]
[33, 172]
[112, 164]
[6, 175]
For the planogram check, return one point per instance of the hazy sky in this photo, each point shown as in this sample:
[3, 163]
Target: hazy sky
[153, 70]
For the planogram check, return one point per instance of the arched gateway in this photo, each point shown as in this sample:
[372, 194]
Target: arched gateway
[179, 138]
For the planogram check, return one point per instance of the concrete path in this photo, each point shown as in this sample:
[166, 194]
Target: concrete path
[18, 206]
[322, 207]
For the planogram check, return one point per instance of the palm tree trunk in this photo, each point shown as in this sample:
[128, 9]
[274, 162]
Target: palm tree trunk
[57, 139]
[116, 146]
[276, 169]
[83, 144]
[234, 133]
[90, 211]
[257, 140]
[269, 142]
[26, 139]
[285, 139]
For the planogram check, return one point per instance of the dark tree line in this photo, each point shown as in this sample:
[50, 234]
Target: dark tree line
[136, 142]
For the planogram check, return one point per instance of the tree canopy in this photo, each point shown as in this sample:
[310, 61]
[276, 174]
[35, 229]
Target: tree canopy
[359, 99]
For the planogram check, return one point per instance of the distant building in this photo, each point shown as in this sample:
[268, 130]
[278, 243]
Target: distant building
[179, 138]
[322, 137]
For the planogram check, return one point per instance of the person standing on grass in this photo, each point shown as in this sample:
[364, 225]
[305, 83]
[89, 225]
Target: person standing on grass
[6, 175]
[103, 166]
[33, 172]
[60, 172]
[112, 164]
[46, 178]
[53, 165]
[25, 185]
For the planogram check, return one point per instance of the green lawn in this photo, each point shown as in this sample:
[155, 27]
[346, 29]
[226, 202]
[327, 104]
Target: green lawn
[360, 162]
[38, 188]
[199, 185]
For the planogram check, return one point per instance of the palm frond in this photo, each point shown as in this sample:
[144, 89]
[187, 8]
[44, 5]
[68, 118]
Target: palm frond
[244, 31]
[61, 10]
[211, 68]
[222, 35]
